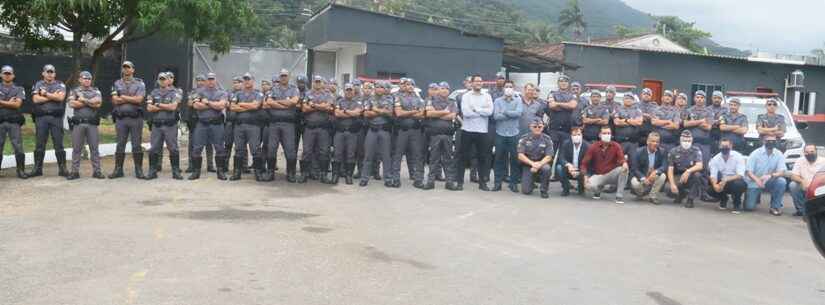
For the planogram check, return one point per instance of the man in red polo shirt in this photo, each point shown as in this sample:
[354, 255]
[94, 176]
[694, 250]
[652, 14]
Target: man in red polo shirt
[604, 164]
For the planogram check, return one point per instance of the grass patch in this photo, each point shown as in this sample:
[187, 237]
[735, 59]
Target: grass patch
[106, 128]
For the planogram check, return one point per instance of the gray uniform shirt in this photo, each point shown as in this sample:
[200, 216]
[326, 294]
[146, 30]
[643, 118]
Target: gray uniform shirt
[318, 97]
[249, 96]
[348, 104]
[669, 113]
[169, 95]
[626, 133]
[7, 92]
[87, 93]
[52, 87]
[380, 102]
[532, 111]
[441, 104]
[770, 121]
[681, 159]
[132, 87]
[535, 147]
[409, 102]
[698, 113]
[738, 119]
[279, 92]
[212, 95]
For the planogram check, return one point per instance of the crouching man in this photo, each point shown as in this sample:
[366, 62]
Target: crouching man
[604, 164]
[535, 152]
[649, 170]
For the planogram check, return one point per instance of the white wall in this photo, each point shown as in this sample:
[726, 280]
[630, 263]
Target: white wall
[548, 81]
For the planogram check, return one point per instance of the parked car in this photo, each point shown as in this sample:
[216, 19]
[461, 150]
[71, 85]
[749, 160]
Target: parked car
[815, 211]
[752, 104]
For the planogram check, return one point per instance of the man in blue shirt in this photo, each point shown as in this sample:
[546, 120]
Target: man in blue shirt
[765, 172]
[507, 111]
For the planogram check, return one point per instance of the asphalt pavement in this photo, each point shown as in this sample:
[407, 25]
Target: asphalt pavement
[213, 242]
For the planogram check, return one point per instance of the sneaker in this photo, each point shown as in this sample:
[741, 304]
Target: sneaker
[736, 212]
[597, 196]
[689, 204]
[619, 200]
[775, 212]
[723, 206]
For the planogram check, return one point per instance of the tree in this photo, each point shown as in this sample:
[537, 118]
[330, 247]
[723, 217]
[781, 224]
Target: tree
[623, 31]
[572, 17]
[542, 33]
[682, 32]
[41, 23]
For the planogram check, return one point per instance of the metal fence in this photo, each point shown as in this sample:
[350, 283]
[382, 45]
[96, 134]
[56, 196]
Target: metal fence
[263, 63]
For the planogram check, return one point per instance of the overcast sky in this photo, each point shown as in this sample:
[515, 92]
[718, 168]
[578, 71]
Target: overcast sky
[789, 26]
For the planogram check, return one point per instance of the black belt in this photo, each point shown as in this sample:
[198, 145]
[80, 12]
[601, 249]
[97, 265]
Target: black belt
[384, 127]
[255, 122]
[282, 120]
[53, 112]
[351, 129]
[163, 123]
[121, 115]
[78, 121]
[409, 128]
[14, 119]
[431, 132]
[212, 121]
[324, 125]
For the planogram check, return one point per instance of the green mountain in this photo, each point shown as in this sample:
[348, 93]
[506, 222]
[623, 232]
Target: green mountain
[601, 15]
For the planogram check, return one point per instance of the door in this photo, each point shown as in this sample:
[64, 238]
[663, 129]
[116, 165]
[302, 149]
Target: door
[655, 86]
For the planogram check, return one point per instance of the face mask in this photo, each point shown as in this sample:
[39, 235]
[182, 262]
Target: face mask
[509, 91]
[605, 137]
[769, 145]
[686, 144]
[725, 151]
[576, 139]
[810, 157]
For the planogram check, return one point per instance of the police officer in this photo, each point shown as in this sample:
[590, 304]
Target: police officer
[648, 106]
[48, 95]
[86, 101]
[440, 113]
[210, 104]
[627, 121]
[163, 103]
[127, 98]
[379, 114]
[594, 116]
[583, 102]
[247, 130]
[666, 121]
[191, 118]
[717, 110]
[367, 89]
[771, 123]
[281, 104]
[682, 107]
[610, 100]
[698, 121]
[301, 83]
[560, 106]
[11, 118]
[535, 152]
[684, 171]
[231, 119]
[734, 125]
[317, 108]
[266, 89]
[347, 113]
[409, 110]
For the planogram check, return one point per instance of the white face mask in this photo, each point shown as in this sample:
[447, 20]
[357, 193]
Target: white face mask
[605, 137]
[576, 139]
[509, 91]
[686, 144]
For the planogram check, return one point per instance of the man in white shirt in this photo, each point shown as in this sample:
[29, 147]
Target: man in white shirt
[801, 175]
[476, 109]
[727, 173]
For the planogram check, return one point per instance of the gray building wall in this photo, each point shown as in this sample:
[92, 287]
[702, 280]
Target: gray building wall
[609, 65]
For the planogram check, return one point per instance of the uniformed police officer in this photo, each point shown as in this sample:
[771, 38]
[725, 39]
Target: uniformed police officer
[347, 113]
[409, 110]
[317, 108]
[190, 116]
[734, 125]
[594, 116]
[698, 121]
[583, 102]
[684, 171]
[301, 83]
[666, 121]
[610, 99]
[247, 130]
[535, 152]
[367, 90]
[127, 98]
[11, 118]
[440, 113]
[648, 106]
[560, 106]
[282, 103]
[717, 110]
[771, 123]
[379, 114]
[627, 121]
[231, 119]
[86, 101]
[163, 103]
[210, 105]
[266, 89]
[48, 95]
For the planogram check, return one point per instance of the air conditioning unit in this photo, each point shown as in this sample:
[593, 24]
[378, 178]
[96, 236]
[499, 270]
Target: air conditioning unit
[797, 79]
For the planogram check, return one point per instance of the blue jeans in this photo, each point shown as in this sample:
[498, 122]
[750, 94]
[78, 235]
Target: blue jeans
[506, 153]
[774, 186]
[798, 195]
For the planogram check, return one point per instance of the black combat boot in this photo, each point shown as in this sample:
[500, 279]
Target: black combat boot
[474, 171]
[174, 160]
[270, 169]
[210, 165]
[237, 170]
[97, 174]
[324, 172]
[376, 171]
[118, 172]
[358, 167]
[305, 169]
[245, 165]
[429, 185]
[348, 172]
[336, 172]
[153, 167]
[61, 163]
[160, 161]
[137, 158]
[20, 160]
[196, 167]
[257, 167]
[189, 167]
[221, 163]
[73, 176]
[290, 170]
[274, 167]
[37, 170]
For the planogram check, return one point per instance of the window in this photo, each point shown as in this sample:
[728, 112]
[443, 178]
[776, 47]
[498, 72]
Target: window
[391, 75]
[708, 88]
[807, 103]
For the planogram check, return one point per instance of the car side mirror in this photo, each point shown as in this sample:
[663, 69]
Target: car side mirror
[815, 216]
[801, 125]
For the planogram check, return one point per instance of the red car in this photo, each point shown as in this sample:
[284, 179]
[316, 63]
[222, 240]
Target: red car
[815, 210]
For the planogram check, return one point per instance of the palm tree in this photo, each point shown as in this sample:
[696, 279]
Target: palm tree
[542, 33]
[572, 17]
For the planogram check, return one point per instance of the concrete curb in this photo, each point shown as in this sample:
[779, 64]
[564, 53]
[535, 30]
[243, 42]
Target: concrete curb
[105, 150]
